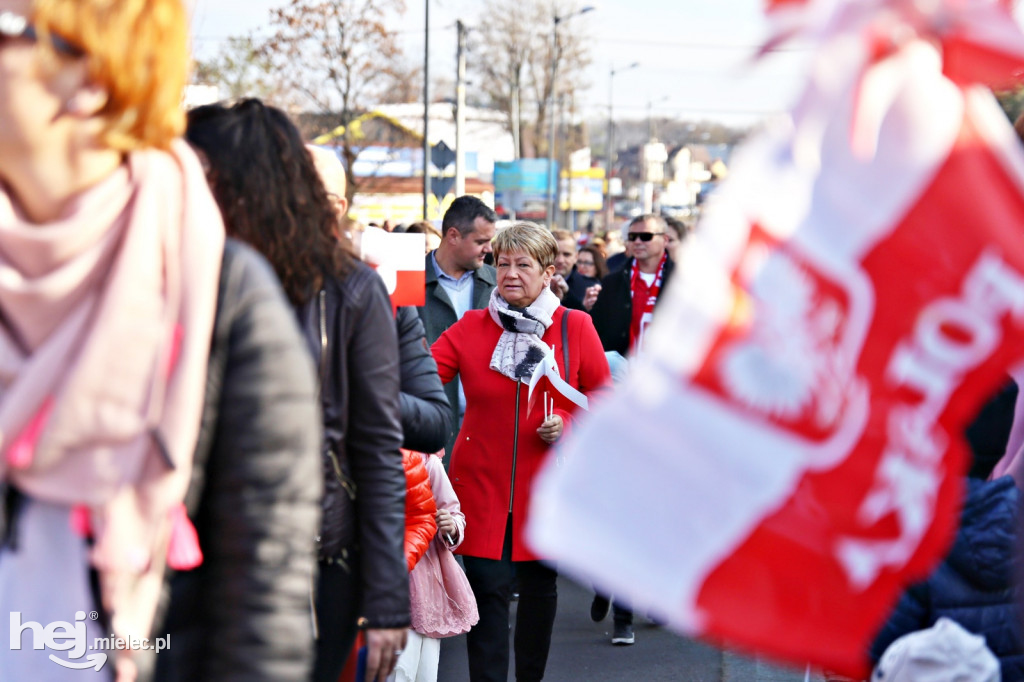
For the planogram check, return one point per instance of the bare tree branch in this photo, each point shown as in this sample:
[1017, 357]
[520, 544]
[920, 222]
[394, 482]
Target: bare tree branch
[337, 56]
[512, 49]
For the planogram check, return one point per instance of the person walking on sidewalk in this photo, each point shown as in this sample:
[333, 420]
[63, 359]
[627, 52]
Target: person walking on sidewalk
[502, 444]
[623, 308]
[270, 193]
[458, 280]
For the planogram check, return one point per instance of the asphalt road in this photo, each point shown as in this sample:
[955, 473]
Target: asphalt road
[581, 650]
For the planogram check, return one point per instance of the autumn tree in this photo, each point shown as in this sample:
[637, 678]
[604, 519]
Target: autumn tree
[338, 58]
[511, 56]
[239, 70]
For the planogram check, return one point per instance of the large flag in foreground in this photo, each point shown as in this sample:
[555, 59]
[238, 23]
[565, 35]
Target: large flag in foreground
[789, 449]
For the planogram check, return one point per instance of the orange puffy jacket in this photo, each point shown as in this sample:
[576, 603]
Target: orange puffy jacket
[420, 508]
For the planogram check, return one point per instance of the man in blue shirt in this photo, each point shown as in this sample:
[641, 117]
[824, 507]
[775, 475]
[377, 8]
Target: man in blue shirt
[457, 281]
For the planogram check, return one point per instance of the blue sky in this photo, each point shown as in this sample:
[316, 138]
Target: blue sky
[693, 54]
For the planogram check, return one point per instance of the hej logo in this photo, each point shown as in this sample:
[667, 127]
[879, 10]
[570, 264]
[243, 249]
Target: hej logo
[59, 636]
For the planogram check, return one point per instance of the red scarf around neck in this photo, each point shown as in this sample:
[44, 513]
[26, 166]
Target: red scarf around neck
[644, 297]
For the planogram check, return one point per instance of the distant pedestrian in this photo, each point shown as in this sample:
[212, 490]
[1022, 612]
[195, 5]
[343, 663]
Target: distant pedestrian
[625, 306]
[458, 280]
[675, 231]
[432, 234]
[566, 283]
[591, 268]
[619, 249]
[622, 311]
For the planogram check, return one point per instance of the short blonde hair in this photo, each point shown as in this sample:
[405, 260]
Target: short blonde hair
[530, 238]
[137, 50]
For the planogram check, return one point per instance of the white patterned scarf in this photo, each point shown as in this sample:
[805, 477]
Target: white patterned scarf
[520, 348]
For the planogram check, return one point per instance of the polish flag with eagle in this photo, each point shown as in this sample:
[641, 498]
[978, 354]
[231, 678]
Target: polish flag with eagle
[789, 447]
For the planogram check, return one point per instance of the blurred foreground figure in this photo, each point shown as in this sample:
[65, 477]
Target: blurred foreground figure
[974, 584]
[831, 309]
[272, 197]
[121, 424]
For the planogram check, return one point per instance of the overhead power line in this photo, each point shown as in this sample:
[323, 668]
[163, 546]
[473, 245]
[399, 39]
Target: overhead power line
[686, 44]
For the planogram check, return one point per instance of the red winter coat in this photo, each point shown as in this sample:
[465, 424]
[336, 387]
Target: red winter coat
[496, 455]
[420, 508]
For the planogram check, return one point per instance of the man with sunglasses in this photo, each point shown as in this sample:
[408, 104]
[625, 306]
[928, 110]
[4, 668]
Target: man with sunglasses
[624, 307]
[625, 304]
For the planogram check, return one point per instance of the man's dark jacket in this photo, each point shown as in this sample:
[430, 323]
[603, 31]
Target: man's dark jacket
[254, 497]
[613, 310]
[974, 584]
[438, 314]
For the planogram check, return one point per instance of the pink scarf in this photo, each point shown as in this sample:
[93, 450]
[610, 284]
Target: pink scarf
[106, 316]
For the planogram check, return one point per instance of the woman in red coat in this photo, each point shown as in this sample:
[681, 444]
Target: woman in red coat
[500, 449]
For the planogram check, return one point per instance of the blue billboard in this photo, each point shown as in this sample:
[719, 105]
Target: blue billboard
[522, 187]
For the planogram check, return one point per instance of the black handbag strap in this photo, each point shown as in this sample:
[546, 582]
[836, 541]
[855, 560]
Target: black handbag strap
[565, 342]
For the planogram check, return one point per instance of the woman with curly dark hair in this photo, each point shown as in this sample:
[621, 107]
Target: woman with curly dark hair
[270, 193]
[271, 196]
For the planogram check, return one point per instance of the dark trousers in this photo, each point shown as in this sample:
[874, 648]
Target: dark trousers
[621, 614]
[337, 610]
[487, 642]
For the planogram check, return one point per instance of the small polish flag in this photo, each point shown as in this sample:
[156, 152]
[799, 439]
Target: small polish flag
[546, 381]
[399, 260]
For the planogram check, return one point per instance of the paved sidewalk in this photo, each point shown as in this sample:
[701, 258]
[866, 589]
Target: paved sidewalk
[581, 652]
[736, 668]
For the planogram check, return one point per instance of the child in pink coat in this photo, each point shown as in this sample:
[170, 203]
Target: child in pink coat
[442, 603]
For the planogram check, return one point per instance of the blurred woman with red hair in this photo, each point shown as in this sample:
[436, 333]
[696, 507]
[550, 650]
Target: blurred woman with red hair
[159, 431]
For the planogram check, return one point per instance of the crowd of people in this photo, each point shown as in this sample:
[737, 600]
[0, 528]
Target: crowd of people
[216, 428]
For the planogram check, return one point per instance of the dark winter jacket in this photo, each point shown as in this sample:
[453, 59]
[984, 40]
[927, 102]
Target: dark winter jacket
[438, 314]
[617, 261]
[973, 585]
[573, 297]
[426, 414]
[254, 498]
[578, 285]
[357, 351]
[613, 310]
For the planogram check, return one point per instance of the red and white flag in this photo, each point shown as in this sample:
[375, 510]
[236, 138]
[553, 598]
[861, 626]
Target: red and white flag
[547, 384]
[399, 260]
[790, 446]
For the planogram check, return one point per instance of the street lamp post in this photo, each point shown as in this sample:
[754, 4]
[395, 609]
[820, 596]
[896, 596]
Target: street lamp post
[610, 161]
[552, 183]
[650, 119]
[426, 109]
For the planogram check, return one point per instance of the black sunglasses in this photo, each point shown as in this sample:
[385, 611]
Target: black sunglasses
[642, 236]
[14, 26]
